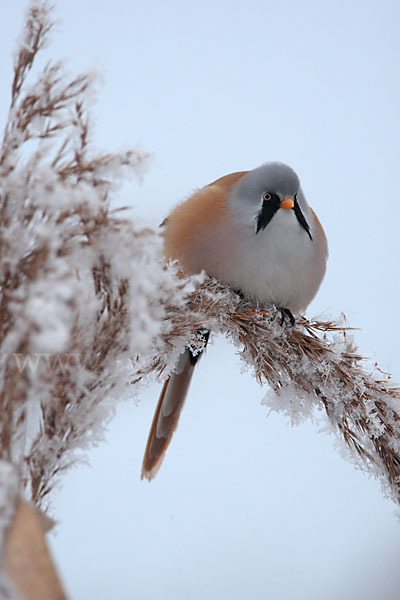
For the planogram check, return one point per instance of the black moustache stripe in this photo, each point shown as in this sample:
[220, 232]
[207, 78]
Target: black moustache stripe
[301, 218]
[269, 208]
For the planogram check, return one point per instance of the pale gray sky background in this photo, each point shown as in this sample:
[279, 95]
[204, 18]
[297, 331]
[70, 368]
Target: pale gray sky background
[245, 506]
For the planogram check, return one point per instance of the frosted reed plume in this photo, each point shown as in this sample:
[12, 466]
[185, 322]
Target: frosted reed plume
[88, 309]
[82, 288]
[314, 365]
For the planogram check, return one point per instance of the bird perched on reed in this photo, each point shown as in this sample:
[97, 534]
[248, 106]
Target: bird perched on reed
[255, 232]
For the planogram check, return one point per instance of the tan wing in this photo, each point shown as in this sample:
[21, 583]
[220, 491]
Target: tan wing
[204, 208]
[167, 415]
[320, 228]
[228, 181]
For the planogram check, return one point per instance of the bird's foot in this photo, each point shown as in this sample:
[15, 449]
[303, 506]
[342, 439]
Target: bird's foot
[285, 312]
[240, 294]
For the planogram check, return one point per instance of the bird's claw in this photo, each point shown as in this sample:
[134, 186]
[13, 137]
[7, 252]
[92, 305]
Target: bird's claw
[285, 312]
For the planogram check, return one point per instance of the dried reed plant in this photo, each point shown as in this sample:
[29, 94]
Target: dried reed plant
[88, 309]
[82, 288]
[313, 365]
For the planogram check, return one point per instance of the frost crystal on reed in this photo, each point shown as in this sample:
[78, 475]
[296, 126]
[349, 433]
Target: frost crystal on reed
[83, 290]
[88, 308]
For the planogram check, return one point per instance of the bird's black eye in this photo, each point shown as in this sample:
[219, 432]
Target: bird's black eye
[266, 196]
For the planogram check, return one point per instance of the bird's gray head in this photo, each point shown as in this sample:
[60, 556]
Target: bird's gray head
[264, 190]
[273, 177]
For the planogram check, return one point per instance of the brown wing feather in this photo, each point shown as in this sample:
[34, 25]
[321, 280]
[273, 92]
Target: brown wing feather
[166, 418]
[204, 208]
[319, 226]
[228, 181]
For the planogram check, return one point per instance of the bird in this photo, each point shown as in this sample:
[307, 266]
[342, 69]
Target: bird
[254, 232]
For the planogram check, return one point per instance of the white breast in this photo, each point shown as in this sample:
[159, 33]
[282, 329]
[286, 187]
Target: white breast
[279, 265]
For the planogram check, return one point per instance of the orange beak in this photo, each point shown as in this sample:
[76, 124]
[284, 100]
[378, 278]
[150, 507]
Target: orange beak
[287, 203]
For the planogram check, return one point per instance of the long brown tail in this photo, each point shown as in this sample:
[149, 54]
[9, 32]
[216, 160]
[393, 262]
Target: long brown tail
[167, 414]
